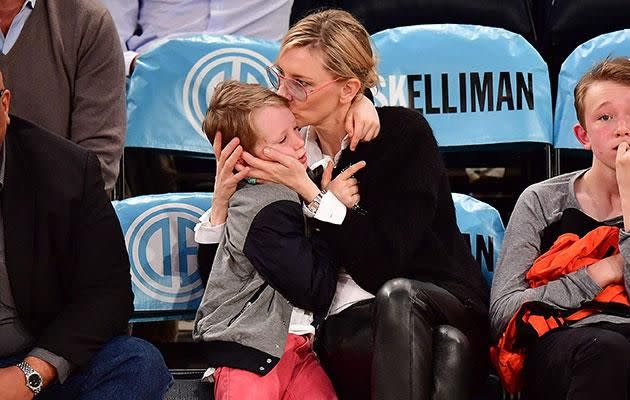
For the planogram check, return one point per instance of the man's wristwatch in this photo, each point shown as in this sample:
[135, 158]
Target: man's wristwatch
[313, 206]
[34, 380]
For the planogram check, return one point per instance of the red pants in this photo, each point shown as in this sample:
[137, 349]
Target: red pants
[297, 376]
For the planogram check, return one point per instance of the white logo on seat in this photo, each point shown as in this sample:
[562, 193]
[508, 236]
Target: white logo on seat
[229, 63]
[163, 253]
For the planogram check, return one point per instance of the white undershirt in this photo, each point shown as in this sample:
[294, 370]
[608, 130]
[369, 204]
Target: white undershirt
[348, 292]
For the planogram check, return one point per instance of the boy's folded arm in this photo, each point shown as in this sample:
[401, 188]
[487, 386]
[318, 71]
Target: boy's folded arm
[624, 249]
[521, 247]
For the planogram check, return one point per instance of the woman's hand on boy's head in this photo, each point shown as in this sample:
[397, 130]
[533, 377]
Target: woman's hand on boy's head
[362, 123]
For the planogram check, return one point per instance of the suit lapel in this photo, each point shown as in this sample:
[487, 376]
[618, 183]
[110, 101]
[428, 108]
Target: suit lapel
[18, 213]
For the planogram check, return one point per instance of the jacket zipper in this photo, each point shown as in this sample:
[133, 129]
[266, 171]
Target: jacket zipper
[251, 301]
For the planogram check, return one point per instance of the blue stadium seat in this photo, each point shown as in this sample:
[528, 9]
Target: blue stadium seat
[569, 152]
[167, 99]
[172, 84]
[565, 24]
[159, 235]
[488, 93]
[490, 87]
[483, 228]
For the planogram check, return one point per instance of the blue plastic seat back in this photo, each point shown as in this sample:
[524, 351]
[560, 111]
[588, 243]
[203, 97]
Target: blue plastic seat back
[159, 234]
[481, 225]
[582, 59]
[475, 85]
[172, 84]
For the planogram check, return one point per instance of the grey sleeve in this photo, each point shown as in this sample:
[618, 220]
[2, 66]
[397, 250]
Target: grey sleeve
[624, 249]
[98, 120]
[521, 247]
[63, 366]
[125, 15]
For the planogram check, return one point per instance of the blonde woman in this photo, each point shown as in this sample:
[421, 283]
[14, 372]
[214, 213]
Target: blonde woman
[406, 268]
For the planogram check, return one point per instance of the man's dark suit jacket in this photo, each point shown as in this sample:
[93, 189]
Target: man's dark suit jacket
[65, 253]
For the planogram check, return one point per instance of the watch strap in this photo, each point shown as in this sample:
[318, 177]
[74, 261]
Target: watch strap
[28, 371]
[313, 206]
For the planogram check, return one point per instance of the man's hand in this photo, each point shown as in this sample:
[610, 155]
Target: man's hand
[13, 385]
[622, 170]
[345, 186]
[44, 368]
[226, 179]
[362, 123]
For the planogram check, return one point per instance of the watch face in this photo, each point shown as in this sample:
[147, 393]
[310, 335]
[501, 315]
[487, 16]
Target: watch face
[34, 380]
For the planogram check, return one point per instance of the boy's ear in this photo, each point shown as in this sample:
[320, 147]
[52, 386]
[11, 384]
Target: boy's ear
[350, 90]
[582, 136]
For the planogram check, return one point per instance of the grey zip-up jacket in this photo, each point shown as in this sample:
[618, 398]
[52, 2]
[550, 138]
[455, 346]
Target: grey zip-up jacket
[266, 263]
[543, 212]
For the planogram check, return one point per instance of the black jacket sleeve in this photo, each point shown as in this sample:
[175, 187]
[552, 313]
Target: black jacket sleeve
[99, 297]
[205, 258]
[298, 266]
[400, 187]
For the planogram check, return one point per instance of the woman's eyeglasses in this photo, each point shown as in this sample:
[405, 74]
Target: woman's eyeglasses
[293, 87]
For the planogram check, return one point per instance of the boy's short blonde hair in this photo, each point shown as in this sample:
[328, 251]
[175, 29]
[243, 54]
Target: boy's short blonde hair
[231, 108]
[611, 69]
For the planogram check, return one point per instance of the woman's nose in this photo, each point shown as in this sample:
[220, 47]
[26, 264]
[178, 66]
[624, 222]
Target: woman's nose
[282, 91]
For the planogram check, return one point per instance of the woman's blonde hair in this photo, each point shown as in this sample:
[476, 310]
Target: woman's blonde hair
[343, 41]
[230, 111]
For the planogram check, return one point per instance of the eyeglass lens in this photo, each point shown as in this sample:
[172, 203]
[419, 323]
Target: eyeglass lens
[292, 86]
[274, 77]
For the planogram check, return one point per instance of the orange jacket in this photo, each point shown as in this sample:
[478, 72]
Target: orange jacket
[568, 254]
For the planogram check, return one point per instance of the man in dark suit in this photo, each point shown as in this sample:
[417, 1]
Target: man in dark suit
[65, 289]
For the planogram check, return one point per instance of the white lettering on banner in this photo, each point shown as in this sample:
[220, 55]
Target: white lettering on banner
[228, 63]
[464, 92]
[163, 253]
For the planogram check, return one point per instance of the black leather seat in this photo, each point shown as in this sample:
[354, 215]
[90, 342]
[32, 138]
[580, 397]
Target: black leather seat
[568, 23]
[377, 15]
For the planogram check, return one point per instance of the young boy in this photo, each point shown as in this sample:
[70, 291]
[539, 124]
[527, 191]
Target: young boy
[589, 357]
[270, 273]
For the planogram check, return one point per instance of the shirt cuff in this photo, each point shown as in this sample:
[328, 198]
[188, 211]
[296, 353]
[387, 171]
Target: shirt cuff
[588, 285]
[208, 375]
[624, 243]
[129, 57]
[205, 232]
[63, 366]
[330, 210]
